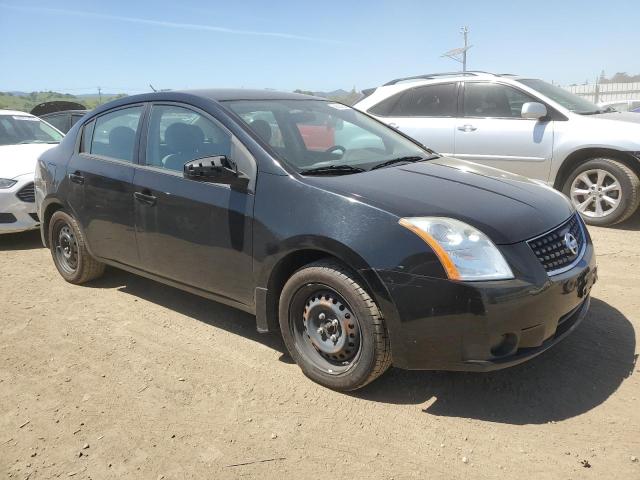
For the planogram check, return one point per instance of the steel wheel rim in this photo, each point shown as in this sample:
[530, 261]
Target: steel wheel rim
[596, 193]
[66, 249]
[325, 328]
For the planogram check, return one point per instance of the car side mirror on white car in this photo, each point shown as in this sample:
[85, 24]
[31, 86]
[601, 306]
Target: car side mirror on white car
[533, 110]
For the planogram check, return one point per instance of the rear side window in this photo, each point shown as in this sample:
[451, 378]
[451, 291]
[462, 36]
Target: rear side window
[87, 135]
[114, 134]
[427, 101]
[492, 100]
[178, 135]
[61, 122]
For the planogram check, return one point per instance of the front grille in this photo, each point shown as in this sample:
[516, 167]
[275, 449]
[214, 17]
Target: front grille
[27, 193]
[552, 248]
[7, 218]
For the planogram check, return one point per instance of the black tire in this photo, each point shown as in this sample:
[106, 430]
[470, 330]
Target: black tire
[69, 250]
[628, 195]
[328, 288]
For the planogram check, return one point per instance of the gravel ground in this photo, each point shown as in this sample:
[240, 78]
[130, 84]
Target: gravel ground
[127, 378]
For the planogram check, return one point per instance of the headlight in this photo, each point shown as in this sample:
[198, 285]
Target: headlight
[465, 252]
[6, 183]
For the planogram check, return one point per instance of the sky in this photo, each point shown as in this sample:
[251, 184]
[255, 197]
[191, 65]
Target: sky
[321, 45]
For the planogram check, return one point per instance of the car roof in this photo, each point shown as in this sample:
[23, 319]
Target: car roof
[15, 112]
[225, 94]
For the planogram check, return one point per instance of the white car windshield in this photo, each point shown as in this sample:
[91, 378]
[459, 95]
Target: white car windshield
[21, 129]
[568, 100]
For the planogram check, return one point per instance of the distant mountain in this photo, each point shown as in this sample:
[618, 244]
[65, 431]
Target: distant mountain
[25, 102]
[340, 95]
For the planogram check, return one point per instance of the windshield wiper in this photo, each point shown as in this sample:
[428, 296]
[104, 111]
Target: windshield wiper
[409, 159]
[332, 170]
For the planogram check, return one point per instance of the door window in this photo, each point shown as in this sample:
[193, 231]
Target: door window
[427, 101]
[178, 135]
[115, 134]
[492, 100]
[58, 121]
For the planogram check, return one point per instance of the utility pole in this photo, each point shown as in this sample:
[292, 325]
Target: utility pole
[460, 54]
[465, 33]
[100, 94]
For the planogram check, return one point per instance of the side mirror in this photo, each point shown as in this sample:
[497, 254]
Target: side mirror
[533, 110]
[218, 169]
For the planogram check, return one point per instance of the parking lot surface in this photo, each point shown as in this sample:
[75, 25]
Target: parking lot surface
[128, 378]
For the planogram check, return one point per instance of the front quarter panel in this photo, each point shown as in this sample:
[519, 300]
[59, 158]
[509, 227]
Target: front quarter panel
[291, 216]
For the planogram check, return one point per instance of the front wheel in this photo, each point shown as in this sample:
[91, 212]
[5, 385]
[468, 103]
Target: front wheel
[69, 251]
[604, 191]
[332, 327]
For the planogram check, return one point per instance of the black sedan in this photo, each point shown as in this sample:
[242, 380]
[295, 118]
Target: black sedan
[361, 246]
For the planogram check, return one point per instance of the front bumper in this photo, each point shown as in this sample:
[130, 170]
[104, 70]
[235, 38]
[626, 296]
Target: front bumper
[439, 324]
[17, 215]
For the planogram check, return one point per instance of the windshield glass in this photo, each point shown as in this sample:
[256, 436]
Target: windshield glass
[568, 100]
[312, 134]
[21, 129]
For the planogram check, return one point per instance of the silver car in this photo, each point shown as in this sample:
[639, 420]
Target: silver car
[525, 126]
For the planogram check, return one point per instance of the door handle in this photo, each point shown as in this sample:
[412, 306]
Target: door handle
[145, 197]
[76, 177]
[467, 128]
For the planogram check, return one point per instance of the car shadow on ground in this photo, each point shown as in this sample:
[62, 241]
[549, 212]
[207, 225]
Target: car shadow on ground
[633, 224]
[20, 241]
[204, 310]
[573, 377]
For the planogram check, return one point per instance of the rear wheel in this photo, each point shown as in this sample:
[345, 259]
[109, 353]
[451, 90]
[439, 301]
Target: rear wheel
[333, 328]
[604, 191]
[69, 251]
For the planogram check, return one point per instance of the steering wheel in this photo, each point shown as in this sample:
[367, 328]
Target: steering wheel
[335, 148]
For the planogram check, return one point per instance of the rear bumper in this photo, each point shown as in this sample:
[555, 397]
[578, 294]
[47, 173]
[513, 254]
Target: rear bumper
[483, 326]
[15, 214]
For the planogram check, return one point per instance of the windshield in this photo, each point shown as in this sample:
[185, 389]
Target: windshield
[314, 134]
[568, 100]
[21, 129]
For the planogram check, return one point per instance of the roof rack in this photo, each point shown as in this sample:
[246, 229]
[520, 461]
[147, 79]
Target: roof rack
[428, 76]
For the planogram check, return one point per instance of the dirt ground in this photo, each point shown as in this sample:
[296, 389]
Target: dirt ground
[127, 378]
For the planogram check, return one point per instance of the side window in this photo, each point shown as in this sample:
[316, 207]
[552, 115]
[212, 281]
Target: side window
[114, 134]
[87, 135]
[59, 121]
[493, 100]
[178, 135]
[428, 101]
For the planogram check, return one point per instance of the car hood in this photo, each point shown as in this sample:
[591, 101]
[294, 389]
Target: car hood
[506, 207]
[627, 117]
[16, 160]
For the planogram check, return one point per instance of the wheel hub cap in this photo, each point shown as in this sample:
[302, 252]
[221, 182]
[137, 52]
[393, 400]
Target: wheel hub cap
[330, 327]
[596, 193]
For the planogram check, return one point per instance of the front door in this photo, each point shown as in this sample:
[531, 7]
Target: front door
[100, 184]
[195, 233]
[491, 131]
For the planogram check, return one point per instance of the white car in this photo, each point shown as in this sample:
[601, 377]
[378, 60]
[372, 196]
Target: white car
[525, 126]
[23, 137]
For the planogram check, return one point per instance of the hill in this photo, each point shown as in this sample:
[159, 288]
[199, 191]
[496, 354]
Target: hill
[24, 102]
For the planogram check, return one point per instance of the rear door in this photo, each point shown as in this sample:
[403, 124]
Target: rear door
[426, 113]
[100, 176]
[192, 232]
[491, 131]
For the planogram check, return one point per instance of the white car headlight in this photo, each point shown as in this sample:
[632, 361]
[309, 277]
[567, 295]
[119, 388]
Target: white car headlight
[464, 251]
[7, 183]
